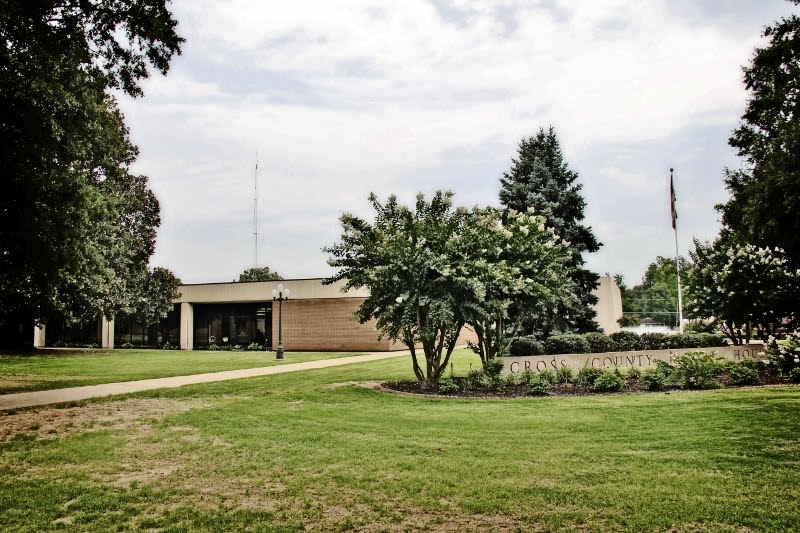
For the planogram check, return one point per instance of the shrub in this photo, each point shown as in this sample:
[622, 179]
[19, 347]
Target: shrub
[510, 380]
[587, 375]
[690, 340]
[565, 375]
[548, 375]
[784, 354]
[725, 365]
[633, 373]
[712, 340]
[254, 347]
[665, 368]
[488, 377]
[538, 386]
[599, 342]
[608, 382]
[493, 367]
[747, 362]
[214, 347]
[697, 370]
[447, 385]
[523, 346]
[486, 382]
[126, 345]
[473, 376]
[656, 341]
[654, 380]
[743, 374]
[168, 346]
[794, 375]
[626, 341]
[566, 343]
[527, 376]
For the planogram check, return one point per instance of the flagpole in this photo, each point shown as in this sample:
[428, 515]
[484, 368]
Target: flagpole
[677, 254]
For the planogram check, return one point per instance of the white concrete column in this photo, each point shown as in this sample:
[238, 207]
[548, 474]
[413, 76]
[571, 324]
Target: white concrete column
[187, 326]
[38, 336]
[609, 304]
[106, 333]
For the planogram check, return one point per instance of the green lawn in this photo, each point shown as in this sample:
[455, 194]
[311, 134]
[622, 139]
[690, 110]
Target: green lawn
[312, 451]
[57, 369]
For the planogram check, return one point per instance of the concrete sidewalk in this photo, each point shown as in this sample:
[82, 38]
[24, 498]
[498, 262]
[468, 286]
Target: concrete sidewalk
[72, 394]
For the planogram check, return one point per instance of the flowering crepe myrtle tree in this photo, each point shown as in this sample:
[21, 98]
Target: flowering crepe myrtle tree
[411, 262]
[784, 353]
[742, 287]
[521, 265]
[433, 269]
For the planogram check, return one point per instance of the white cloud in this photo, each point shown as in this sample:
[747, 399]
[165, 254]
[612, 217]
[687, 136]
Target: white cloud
[341, 98]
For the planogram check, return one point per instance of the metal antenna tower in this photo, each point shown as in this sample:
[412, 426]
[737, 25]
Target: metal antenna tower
[255, 213]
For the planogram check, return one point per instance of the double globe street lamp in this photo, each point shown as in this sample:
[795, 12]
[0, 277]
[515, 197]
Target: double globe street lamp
[278, 296]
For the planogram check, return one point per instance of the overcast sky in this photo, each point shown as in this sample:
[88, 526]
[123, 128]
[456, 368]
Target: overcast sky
[343, 98]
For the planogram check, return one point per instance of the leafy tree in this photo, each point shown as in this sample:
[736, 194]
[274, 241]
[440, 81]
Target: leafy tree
[620, 282]
[629, 321]
[76, 228]
[520, 264]
[764, 207]
[657, 294]
[540, 179]
[154, 292]
[743, 287]
[409, 259]
[432, 269]
[258, 274]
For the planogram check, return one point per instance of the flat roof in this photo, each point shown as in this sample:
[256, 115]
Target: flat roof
[261, 291]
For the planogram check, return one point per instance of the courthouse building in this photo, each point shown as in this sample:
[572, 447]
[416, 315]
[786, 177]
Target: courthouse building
[315, 317]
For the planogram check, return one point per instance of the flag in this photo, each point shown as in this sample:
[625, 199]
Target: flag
[672, 200]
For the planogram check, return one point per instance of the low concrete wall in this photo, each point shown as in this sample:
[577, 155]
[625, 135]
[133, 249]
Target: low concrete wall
[611, 360]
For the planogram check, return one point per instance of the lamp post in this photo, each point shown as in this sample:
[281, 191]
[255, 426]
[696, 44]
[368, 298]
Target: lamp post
[278, 296]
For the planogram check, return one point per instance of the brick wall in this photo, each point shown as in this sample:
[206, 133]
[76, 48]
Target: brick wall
[326, 324]
[467, 334]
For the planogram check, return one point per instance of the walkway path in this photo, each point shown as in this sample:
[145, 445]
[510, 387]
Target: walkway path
[72, 394]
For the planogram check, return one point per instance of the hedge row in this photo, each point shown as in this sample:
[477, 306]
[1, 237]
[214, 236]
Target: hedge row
[621, 341]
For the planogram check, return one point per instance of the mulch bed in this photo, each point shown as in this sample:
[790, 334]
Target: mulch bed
[515, 391]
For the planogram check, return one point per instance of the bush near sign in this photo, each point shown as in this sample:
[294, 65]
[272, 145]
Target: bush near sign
[635, 358]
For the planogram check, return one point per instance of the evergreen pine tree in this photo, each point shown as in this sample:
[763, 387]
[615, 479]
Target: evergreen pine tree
[539, 178]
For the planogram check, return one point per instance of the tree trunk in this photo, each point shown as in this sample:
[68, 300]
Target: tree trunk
[450, 346]
[415, 361]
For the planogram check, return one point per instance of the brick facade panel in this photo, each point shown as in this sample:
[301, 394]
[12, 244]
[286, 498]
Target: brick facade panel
[467, 334]
[326, 324]
[329, 325]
